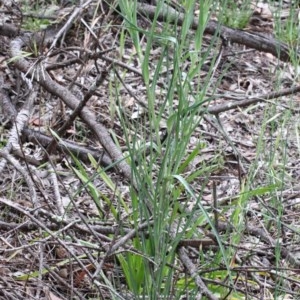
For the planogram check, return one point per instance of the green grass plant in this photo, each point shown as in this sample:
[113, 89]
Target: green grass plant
[286, 29]
[160, 172]
[37, 8]
[272, 156]
[234, 14]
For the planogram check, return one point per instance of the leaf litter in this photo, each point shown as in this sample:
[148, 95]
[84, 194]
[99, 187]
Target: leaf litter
[261, 140]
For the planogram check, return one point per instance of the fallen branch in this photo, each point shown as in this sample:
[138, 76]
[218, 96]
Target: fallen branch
[38, 73]
[251, 40]
[252, 100]
[66, 146]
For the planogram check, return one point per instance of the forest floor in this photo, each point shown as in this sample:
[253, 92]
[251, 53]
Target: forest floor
[71, 226]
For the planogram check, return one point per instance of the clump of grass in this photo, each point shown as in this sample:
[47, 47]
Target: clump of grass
[287, 31]
[41, 10]
[159, 171]
[234, 14]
